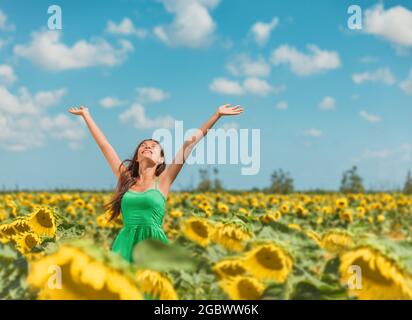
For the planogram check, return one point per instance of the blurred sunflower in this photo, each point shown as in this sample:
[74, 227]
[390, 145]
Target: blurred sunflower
[42, 221]
[269, 261]
[156, 285]
[231, 236]
[381, 277]
[229, 268]
[336, 241]
[26, 241]
[79, 276]
[198, 230]
[242, 288]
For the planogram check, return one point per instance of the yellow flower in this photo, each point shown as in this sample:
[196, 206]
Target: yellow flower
[336, 241]
[231, 237]
[380, 277]
[156, 284]
[198, 230]
[243, 211]
[222, 208]
[380, 218]
[242, 288]
[294, 226]
[346, 215]
[229, 268]
[314, 236]
[26, 241]
[42, 221]
[175, 213]
[341, 203]
[284, 208]
[269, 261]
[80, 203]
[71, 274]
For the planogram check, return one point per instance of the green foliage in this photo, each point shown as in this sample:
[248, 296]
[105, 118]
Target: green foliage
[281, 182]
[208, 184]
[407, 188]
[351, 181]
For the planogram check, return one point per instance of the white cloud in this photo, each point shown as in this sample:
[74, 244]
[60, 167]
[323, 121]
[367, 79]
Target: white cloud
[383, 75]
[47, 51]
[370, 117]
[7, 75]
[327, 103]
[24, 103]
[111, 102]
[25, 124]
[243, 65]
[136, 114]
[126, 28]
[316, 61]
[4, 26]
[406, 85]
[316, 133]
[250, 85]
[282, 105]
[227, 87]
[261, 30]
[192, 25]
[394, 24]
[151, 95]
[257, 86]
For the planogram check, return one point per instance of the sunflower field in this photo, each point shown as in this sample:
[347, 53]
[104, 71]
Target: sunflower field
[245, 245]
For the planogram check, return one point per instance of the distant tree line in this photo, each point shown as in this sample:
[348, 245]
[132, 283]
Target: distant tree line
[281, 182]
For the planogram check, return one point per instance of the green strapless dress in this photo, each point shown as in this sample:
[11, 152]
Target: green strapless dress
[142, 215]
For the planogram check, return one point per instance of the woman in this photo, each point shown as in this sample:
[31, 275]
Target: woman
[144, 183]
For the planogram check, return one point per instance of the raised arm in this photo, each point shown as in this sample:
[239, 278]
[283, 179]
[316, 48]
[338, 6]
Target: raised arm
[173, 169]
[108, 151]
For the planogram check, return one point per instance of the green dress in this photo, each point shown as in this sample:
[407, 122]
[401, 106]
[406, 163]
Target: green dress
[142, 215]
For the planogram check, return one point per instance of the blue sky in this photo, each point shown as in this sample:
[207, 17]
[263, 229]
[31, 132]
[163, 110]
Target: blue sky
[324, 97]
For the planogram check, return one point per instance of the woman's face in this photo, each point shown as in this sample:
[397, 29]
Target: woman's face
[150, 149]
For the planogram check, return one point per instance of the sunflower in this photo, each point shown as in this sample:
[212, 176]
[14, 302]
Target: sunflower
[341, 203]
[42, 221]
[336, 241]
[222, 208]
[229, 268]
[21, 225]
[78, 276]
[346, 215]
[174, 213]
[380, 218]
[381, 277]
[242, 288]
[269, 261]
[156, 285]
[313, 236]
[26, 241]
[198, 230]
[294, 226]
[231, 236]
[79, 203]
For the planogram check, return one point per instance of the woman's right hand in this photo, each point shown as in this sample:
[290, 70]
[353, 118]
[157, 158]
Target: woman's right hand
[82, 111]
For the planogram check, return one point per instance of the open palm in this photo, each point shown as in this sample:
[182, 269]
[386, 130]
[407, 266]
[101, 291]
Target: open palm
[79, 111]
[227, 110]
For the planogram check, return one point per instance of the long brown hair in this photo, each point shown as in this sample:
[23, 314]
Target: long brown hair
[128, 178]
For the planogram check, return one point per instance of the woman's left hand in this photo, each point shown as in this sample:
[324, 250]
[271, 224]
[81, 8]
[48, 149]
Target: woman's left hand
[227, 110]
